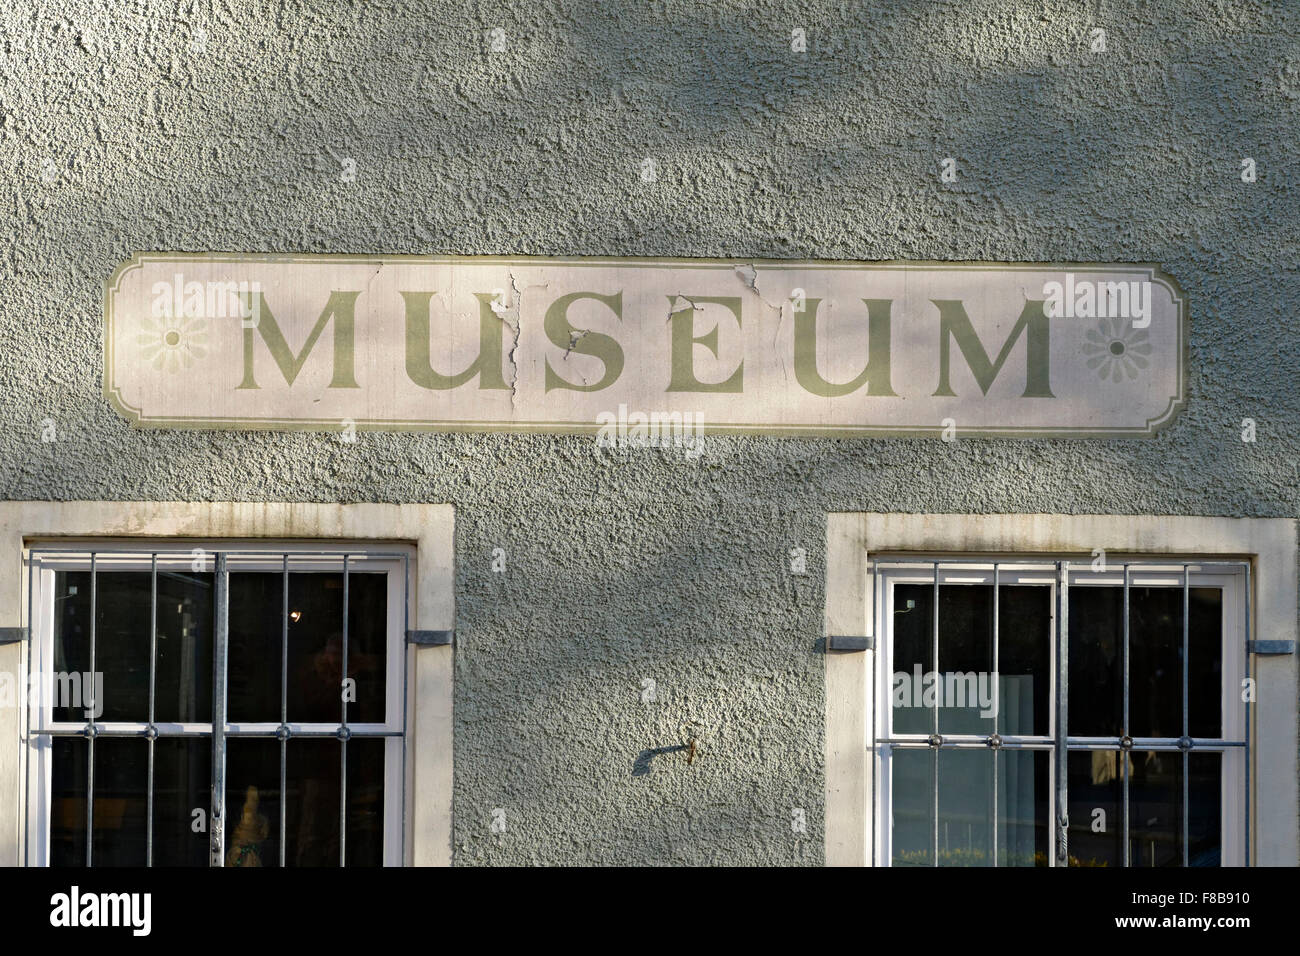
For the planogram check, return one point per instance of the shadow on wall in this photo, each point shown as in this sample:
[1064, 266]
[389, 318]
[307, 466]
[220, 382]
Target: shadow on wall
[641, 766]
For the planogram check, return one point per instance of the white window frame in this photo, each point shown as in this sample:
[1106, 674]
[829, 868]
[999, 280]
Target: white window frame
[1268, 545]
[1012, 570]
[121, 555]
[428, 528]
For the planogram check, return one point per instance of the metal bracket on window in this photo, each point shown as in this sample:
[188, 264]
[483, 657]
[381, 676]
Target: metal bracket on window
[13, 635]
[1270, 647]
[430, 638]
[840, 642]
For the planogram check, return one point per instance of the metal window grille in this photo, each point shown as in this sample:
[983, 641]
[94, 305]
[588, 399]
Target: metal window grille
[220, 561]
[1060, 743]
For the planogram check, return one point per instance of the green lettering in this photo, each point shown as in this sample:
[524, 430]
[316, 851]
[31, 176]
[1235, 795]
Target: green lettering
[419, 361]
[684, 341]
[876, 375]
[1033, 322]
[601, 346]
[341, 307]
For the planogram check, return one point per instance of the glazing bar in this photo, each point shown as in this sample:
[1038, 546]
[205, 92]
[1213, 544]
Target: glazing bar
[950, 743]
[284, 707]
[934, 724]
[1062, 857]
[934, 806]
[408, 666]
[188, 553]
[33, 575]
[220, 652]
[331, 731]
[343, 738]
[1249, 599]
[1187, 756]
[153, 680]
[1125, 725]
[90, 719]
[993, 804]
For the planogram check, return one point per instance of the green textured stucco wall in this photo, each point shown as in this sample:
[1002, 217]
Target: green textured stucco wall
[647, 564]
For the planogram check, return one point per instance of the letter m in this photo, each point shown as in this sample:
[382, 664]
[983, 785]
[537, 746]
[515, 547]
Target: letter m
[342, 308]
[116, 909]
[955, 325]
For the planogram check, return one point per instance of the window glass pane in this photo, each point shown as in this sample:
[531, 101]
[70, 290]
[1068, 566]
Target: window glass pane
[315, 684]
[311, 818]
[71, 642]
[1205, 803]
[121, 779]
[1156, 809]
[122, 635]
[912, 782]
[1095, 661]
[913, 657]
[182, 784]
[368, 646]
[316, 647]
[1096, 806]
[964, 693]
[1205, 662]
[68, 801]
[121, 645]
[121, 809]
[1023, 807]
[253, 802]
[183, 692]
[1024, 660]
[366, 801]
[965, 697]
[1156, 668]
[965, 789]
[313, 803]
[255, 661]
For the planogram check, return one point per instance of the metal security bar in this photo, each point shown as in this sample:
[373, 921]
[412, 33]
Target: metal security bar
[1059, 742]
[309, 561]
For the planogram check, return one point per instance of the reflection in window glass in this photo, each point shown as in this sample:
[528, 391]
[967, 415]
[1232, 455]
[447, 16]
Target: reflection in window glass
[910, 809]
[1096, 808]
[181, 784]
[1024, 802]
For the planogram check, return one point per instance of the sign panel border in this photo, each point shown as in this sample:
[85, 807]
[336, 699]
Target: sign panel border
[1148, 271]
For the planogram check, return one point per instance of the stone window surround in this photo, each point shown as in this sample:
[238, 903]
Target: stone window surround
[430, 528]
[1269, 543]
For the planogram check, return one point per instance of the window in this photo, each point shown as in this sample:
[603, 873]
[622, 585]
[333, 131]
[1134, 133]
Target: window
[173, 689]
[1061, 712]
[1247, 566]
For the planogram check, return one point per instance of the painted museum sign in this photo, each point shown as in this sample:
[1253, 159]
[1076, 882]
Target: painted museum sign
[565, 345]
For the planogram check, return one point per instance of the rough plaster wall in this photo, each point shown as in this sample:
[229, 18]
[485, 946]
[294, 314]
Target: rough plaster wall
[648, 565]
